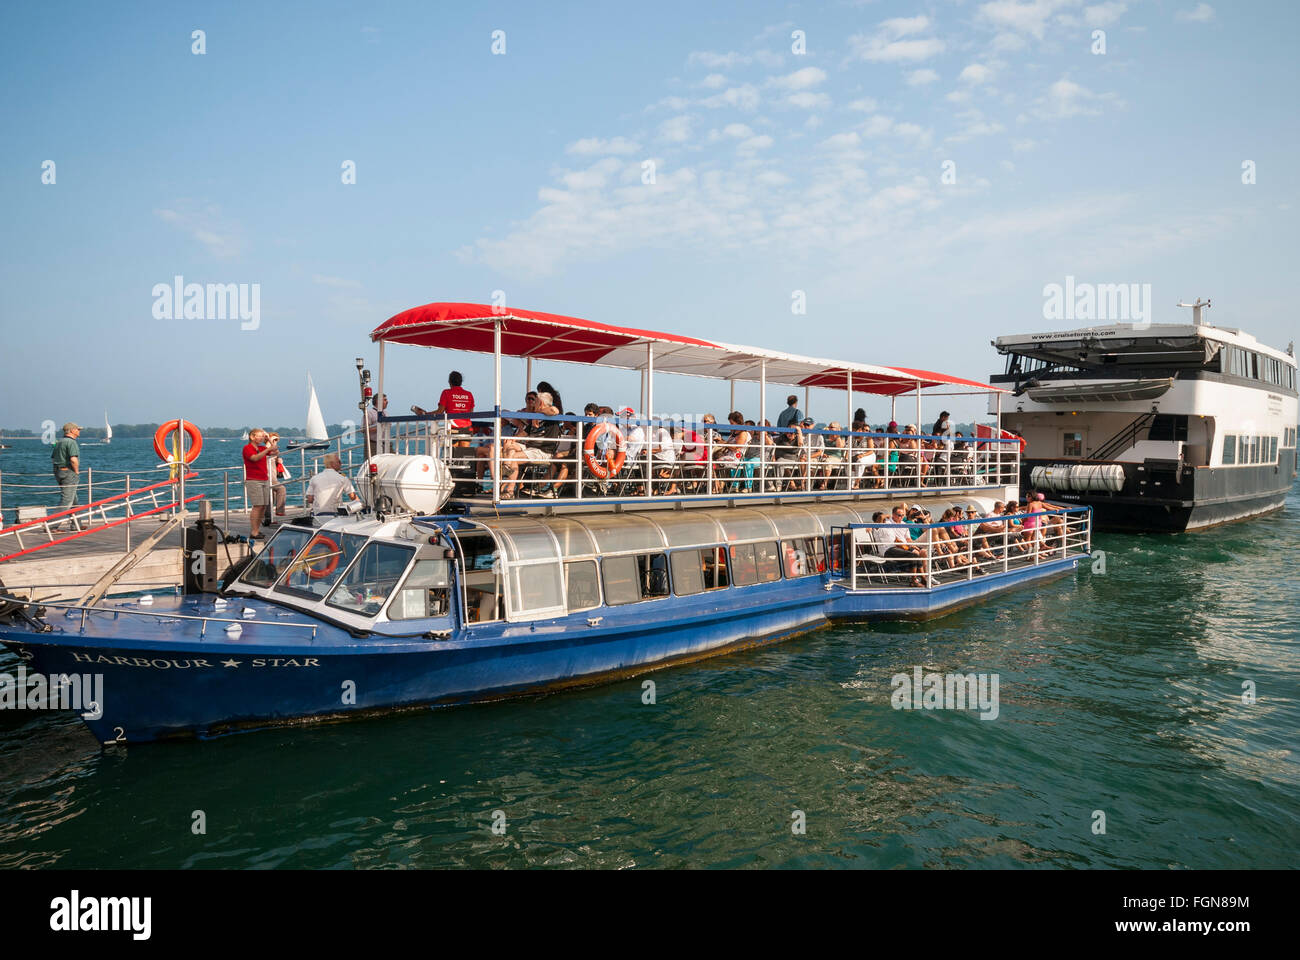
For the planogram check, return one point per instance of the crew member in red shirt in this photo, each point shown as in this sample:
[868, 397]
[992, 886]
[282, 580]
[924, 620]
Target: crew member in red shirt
[256, 452]
[453, 400]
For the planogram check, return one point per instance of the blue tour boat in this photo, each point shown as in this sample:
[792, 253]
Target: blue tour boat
[446, 590]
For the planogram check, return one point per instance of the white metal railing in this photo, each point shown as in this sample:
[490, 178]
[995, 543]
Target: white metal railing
[936, 554]
[72, 609]
[645, 458]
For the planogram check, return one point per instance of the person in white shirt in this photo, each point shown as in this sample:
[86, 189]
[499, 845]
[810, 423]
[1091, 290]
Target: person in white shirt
[328, 489]
[378, 433]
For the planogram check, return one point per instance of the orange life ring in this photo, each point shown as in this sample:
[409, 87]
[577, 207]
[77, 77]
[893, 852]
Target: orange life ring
[331, 558]
[603, 469]
[170, 427]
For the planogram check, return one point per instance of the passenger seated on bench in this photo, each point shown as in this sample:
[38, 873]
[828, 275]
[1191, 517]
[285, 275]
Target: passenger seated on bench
[729, 451]
[902, 547]
[563, 456]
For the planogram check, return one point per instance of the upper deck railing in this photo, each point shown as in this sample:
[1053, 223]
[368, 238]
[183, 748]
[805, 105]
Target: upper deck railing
[570, 459]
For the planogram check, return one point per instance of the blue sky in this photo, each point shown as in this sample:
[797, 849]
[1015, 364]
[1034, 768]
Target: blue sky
[774, 172]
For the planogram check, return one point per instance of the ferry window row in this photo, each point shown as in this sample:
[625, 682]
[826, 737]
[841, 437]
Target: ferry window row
[1256, 366]
[1239, 450]
[649, 576]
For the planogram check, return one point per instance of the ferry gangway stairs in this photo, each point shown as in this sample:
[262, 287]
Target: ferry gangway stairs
[105, 514]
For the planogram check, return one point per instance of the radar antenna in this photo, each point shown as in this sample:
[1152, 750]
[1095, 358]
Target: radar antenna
[1196, 310]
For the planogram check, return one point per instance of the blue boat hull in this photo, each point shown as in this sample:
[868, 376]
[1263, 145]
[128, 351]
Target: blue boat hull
[158, 686]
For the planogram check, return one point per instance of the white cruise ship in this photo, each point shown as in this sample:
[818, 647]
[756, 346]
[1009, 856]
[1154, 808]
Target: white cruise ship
[1165, 427]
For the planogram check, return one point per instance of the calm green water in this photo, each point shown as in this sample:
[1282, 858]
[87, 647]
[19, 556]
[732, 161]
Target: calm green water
[1119, 693]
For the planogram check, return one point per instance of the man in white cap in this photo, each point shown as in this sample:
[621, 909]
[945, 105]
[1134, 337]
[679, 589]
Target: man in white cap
[66, 460]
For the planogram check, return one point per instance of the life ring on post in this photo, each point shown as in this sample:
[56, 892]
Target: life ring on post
[331, 559]
[170, 427]
[602, 463]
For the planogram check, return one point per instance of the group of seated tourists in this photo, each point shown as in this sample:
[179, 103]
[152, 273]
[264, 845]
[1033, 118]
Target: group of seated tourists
[909, 538]
[541, 457]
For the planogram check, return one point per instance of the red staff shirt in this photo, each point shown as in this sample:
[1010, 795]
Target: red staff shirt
[254, 469]
[456, 400]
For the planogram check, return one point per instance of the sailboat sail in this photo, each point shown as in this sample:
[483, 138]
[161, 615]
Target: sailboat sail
[108, 429]
[315, 422]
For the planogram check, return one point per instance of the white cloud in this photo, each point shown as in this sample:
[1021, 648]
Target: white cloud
[841, 140]
[743, 97]
[207, 226]
[336, 282]
[877, 126]
[1103, 14]
[894, 41]
[1023, 146]
[975, 125]
[919, 78]
[595, 146]
[808, 100]
[714, 81]
[958, 96]
[1022, 16]
[865, 105]
[594, 177]
[772, 178]
[803, 79]
[738, 130]
[1065, 99]
[1007, 165]
[716, 61]
[677, 129]
[976, 73]
[1201, 13]
[761, 142]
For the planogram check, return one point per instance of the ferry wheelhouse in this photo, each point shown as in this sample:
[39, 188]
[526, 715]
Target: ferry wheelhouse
[1164, 427]
[447, 590]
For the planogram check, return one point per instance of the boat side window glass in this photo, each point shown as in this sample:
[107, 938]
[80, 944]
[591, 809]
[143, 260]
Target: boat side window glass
[767, 559]
[581, 585]
[1243, 450]
[1167, 426]
[695, 571]
[424, 592]
[631, 579]
[320, 564]
[804, 557]
[1254, 449]
[743, 571]
[688, 574]
[274, 559]
[371, 578]
[1272, 449]
[1229, 450]
[536, 589]
[1073, 445]
[481, 576]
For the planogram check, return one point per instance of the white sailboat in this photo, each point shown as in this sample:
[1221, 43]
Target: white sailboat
[317, 435]
[108, 429]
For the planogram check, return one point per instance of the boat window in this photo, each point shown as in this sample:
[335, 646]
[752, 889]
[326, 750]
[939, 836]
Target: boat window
[831, 515]
[424, 592]
[1168, 426]
[755, 563]
[1243, 449]
[795, 522]
[535, 589]
[582, 586]
[695, 571]
[1272, 449]
[1254, 449]
[481, 576]
[1229, 450]
[635, 578]
[804, 557]
[371, 578]
[623, 534]
[276, 556]
[1072, 445]
[688, 531]
[320, 564]
[573, 537]
[524, 538]
[745, 525]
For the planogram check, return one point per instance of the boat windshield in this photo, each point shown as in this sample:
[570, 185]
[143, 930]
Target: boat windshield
[371, 578]
[319, 564]
[276, 556]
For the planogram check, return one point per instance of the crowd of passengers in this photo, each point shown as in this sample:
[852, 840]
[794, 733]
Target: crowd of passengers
[974, 542]
[540, 457]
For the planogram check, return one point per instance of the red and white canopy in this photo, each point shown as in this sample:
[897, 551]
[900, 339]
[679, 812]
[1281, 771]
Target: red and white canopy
[549, 336]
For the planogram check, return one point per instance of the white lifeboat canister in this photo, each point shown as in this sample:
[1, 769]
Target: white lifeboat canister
[418, 484]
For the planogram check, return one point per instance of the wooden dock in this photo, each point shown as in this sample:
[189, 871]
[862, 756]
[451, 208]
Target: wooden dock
[64, 571]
